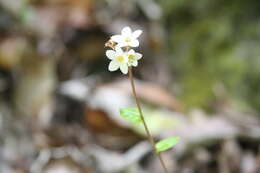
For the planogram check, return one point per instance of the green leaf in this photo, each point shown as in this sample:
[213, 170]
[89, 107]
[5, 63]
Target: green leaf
[131, 114]
[166, 144]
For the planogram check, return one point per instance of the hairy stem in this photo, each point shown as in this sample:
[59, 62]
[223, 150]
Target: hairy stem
[150, 138]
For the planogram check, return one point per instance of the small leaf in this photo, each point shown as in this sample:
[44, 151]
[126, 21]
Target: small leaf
[166, 144]
[131, 114]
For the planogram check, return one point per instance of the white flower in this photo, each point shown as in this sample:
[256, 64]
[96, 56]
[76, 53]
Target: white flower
[133, 57]
[119, 60]
[127, 38]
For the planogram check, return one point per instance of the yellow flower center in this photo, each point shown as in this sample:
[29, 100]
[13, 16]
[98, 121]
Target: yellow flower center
[120, 58]
[131, 57]
[127, 39]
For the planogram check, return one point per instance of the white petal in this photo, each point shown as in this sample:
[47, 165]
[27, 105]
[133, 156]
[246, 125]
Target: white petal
[126, 31]
[121, 44]
[125, 58]
[138, 56]
[131, 51]
[113, 66]
[117, 38]
[124, 68]
[134, 43]
[119, 51]
[134, 63]
[110, 54]
[137, 33]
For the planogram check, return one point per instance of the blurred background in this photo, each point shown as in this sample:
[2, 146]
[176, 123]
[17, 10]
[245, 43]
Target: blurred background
[199, 79]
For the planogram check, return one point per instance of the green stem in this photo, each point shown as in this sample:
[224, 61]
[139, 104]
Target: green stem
[150, 138]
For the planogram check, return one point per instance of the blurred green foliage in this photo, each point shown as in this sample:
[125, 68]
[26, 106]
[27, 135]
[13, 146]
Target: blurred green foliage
[215, 43]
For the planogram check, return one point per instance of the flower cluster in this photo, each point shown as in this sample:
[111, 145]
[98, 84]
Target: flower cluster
[122, 56]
